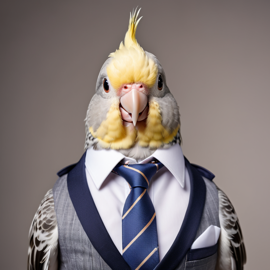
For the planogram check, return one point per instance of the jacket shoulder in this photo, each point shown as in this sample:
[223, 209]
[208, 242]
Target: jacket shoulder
[66, 170]
[204, 172]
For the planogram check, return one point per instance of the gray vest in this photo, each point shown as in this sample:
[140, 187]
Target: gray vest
[77, 252]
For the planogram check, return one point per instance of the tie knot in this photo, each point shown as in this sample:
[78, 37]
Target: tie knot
[138, 175]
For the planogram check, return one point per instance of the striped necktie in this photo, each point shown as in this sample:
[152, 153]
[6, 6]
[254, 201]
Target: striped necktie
[139, 230]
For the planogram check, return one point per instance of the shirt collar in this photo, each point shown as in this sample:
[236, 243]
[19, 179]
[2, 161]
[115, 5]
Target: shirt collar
[99, 163]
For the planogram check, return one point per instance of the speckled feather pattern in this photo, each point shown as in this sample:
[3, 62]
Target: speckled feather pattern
[232, 252]
[43, 237]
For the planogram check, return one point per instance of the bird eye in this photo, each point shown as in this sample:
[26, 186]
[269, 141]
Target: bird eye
[160, 83]
[106, 86]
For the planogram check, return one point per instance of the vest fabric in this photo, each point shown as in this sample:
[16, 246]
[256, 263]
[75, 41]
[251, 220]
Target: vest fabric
[77, 252]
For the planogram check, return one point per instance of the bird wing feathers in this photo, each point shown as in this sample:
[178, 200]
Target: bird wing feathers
[232, 252]
[43, 237]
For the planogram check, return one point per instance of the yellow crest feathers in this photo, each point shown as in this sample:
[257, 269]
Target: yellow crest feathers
[130, 38]
[130, 63]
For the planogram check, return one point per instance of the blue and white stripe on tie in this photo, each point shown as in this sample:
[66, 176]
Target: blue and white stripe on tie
[139, 230]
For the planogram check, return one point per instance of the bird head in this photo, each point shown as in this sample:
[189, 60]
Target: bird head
[133, 110]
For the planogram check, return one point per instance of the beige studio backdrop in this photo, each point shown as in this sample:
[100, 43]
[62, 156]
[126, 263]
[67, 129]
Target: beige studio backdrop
[216, 55]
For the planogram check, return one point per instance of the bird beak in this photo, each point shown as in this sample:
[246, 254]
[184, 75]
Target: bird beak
[133, 103]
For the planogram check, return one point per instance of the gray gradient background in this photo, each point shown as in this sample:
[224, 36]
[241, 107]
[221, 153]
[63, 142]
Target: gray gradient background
[216, 55]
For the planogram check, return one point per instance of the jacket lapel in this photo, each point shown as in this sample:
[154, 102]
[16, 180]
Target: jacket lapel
[93, 226]
[90, 219]
[190, 225]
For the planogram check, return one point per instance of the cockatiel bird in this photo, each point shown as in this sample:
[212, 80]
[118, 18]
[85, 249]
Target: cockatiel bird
[134, 118]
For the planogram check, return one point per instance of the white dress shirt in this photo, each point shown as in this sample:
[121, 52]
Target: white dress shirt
[169, 191]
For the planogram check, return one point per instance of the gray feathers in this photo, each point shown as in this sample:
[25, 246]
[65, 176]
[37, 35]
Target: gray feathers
[101, 103]
[232, 252]
[43, 237]
[97, 111]
[169, 111]
[90, 140]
